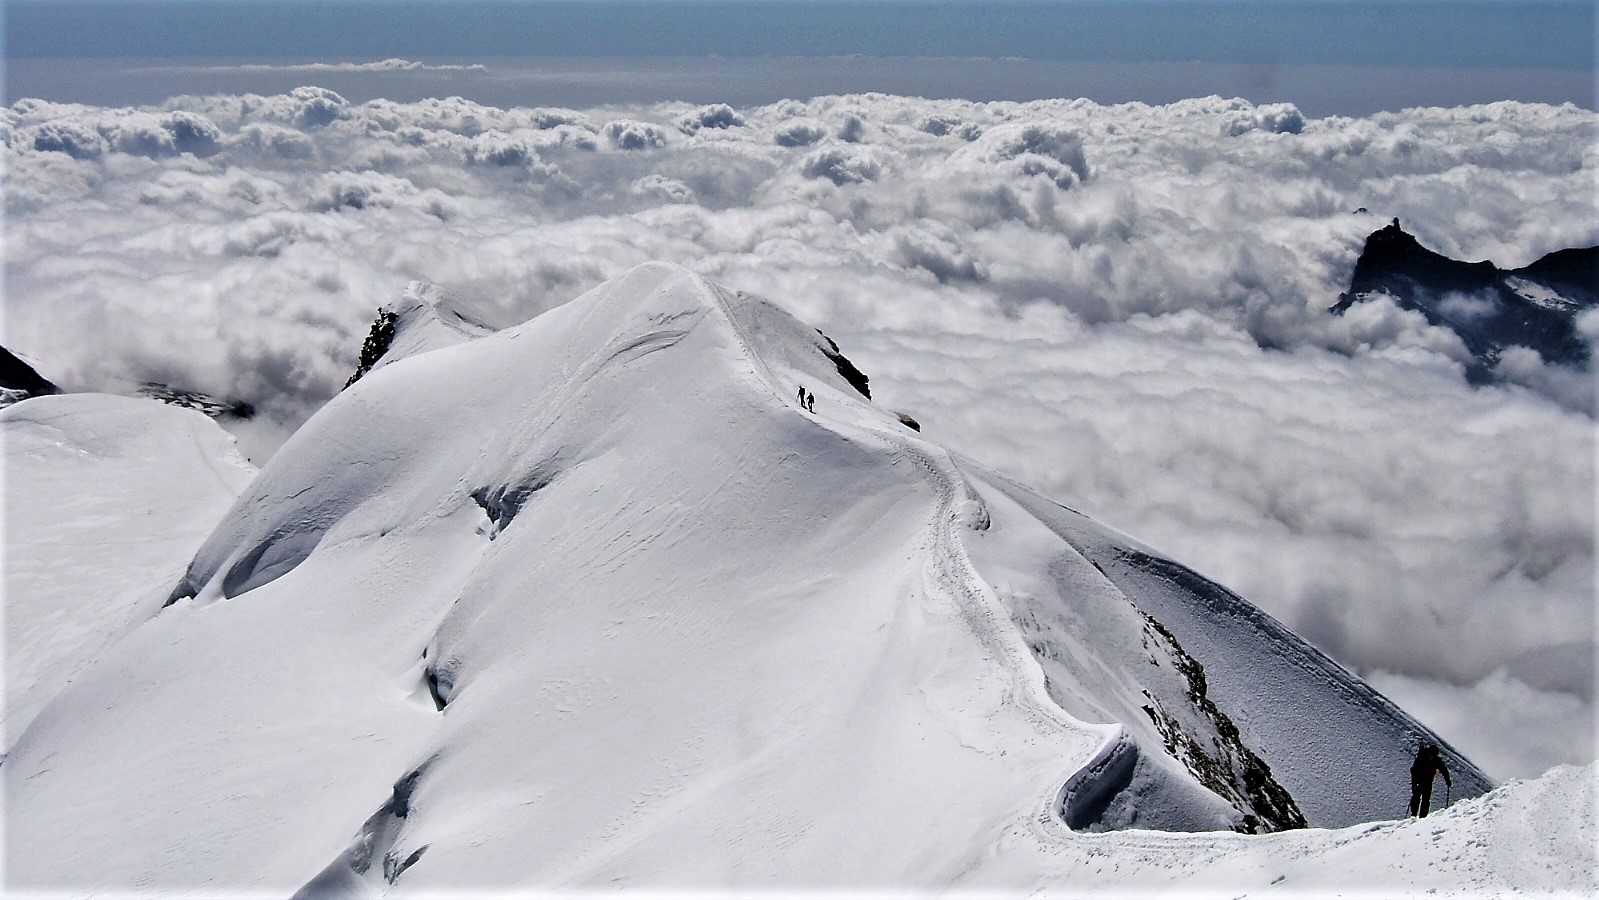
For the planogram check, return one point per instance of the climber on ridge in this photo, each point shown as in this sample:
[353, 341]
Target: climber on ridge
[1428, 765]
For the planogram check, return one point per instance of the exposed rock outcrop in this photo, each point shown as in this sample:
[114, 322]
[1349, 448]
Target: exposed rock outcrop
[1490, 308]
[19, 381]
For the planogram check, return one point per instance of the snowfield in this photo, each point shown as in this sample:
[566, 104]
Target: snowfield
[594, 603]
[103, 497]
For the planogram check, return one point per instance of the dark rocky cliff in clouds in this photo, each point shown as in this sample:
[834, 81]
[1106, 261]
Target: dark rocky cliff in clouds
[19, 381]
[1490, 308]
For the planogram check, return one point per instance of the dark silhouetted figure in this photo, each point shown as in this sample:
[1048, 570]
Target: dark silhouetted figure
[810, 402]
[802, 396]
[1427, 766]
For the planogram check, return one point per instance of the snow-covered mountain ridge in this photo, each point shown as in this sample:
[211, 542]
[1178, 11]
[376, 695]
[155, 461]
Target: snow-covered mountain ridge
[594, 601]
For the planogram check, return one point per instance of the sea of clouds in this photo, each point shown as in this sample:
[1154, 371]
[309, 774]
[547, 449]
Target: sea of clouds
[1123, 306]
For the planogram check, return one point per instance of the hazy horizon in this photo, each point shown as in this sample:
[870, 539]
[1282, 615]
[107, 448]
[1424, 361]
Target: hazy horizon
[1343, 58]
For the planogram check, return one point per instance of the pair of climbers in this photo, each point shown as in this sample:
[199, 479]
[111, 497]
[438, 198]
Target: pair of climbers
[1428, 765]
[807, 400]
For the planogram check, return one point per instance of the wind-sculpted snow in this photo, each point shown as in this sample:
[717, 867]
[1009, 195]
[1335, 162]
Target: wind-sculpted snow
[1125, 306]
[1528, 837]
[593, 601]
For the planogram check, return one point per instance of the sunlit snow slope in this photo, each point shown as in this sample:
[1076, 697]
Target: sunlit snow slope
[592, 601]
[104, 497]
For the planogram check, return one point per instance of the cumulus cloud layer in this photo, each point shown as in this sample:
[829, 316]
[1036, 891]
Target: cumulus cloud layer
[1124, 306]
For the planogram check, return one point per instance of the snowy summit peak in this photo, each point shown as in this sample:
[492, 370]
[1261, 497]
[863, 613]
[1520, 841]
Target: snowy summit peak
[426, 317]
[648, 589]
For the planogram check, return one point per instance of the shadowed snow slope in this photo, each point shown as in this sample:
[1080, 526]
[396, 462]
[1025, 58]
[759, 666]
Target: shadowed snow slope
[592, 602]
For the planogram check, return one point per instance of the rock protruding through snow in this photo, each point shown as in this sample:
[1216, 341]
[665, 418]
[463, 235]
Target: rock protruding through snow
[19, 381]
[426, 317]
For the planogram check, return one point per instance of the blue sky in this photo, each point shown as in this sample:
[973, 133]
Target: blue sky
[1545, 48]
[1381, 32]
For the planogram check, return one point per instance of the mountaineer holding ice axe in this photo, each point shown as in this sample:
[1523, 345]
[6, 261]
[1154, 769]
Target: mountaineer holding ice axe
[1428, 765]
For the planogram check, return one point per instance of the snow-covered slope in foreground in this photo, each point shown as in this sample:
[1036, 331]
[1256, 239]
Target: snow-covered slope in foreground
[1526, 838]
[104, 498]
[592, 602]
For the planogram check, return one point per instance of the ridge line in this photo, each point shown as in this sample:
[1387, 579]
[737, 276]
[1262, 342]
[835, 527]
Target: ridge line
[980, 607]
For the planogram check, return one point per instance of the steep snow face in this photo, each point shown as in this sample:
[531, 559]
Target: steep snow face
[593, 601]
[1256, 715]
[105, 499]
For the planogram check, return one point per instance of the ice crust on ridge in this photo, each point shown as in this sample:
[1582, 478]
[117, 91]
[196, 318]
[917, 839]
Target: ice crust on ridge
[591, 601]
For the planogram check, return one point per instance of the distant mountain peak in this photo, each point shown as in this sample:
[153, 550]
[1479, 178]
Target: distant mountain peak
[197, 400]
[1490, 308]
